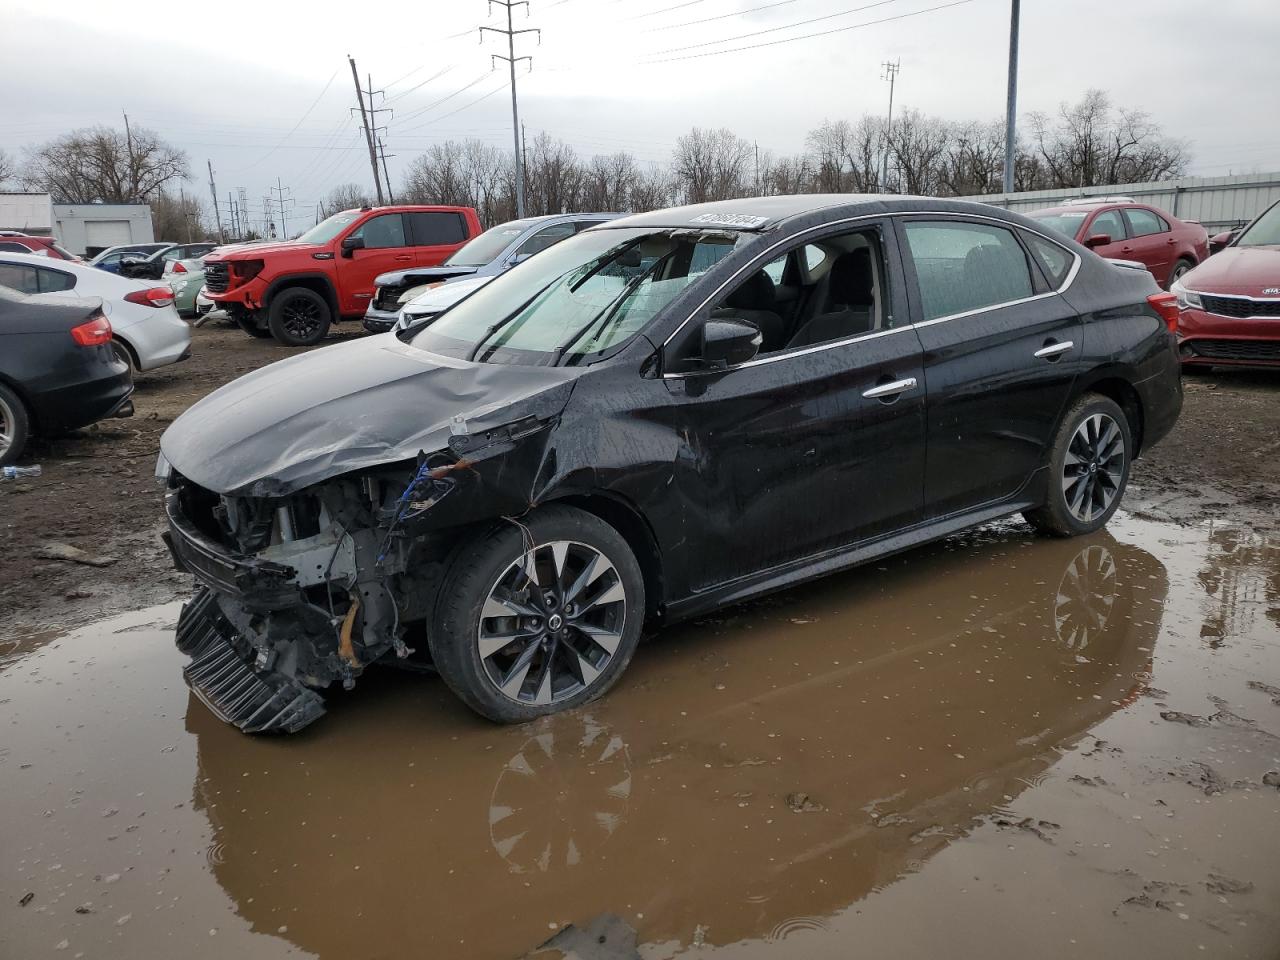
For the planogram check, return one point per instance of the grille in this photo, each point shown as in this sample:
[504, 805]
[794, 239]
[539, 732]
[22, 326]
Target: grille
[216, 277]
[1240, 306]
[1238, 349]
[388, 297]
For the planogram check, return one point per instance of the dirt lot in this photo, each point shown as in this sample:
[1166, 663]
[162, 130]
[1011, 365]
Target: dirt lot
[98, 493]
[996, 746]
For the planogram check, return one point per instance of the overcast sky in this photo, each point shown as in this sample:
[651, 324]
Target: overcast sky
[263, 89]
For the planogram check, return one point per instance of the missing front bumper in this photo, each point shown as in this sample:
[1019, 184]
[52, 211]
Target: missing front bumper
[254, 700]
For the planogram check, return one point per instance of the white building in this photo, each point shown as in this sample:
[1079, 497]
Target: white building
[80, 227]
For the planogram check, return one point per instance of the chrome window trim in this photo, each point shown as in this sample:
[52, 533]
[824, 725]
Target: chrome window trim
[803, 238]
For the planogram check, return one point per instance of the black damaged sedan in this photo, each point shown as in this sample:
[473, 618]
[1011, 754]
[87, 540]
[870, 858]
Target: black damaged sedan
[657, 417]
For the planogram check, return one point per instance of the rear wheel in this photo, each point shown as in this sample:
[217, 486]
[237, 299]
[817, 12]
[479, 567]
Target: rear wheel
[1180, 268]
[14, 426]
[539, 617]
[1088, 469]
[123, 353]
[298, 317]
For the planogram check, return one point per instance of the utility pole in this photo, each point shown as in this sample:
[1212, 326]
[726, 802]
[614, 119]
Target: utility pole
[382, 149]
[891, 74]
[234, 214]
[368, 132]
[1011, 108]
[756, 146]
[217, 212]
[279, 190]
[511, 33]
[128, 141]
[524, 154]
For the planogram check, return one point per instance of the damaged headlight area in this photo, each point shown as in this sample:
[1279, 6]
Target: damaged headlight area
[297, 593]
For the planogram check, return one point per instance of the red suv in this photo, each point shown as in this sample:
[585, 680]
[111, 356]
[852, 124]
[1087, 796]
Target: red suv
[40, 246]
[1120, 229]
[1231, 303]
[294, 290]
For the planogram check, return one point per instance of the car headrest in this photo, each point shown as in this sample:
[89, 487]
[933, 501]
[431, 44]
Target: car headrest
[852, 280]
[755, 293]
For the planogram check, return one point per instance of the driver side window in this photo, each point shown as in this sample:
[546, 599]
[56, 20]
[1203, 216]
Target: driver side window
[382, 231]
[823, 291]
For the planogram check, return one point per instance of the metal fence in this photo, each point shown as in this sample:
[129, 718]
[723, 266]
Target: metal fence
[1220, 203]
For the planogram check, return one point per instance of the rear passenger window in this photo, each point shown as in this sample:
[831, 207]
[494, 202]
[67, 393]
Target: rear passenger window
[1144, 223]
[55, 281]
[433, 229]
[18, 277]
[1055, 261]
[966, 266]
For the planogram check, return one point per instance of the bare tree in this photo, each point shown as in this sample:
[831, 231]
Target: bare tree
[845, 157]
[102, 165]
[916, 146]
[347, 196]
[553, 176]
[780, 176]
[973, 161]
[711, 165]
[8, 168]
[654, 189]
[1090, 143]
[609, 181]
[179, 218]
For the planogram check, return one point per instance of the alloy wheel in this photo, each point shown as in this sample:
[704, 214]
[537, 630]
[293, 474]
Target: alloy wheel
[1093, 468]
[7, 422]
[300, 317]
[551, 623]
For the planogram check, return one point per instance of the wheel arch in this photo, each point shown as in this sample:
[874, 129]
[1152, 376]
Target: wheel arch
[624, 517]
[1120, 390]
[129, 349]
[316, 282]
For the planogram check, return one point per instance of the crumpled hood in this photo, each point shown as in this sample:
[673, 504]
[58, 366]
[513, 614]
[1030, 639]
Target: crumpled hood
[421, 275]
[1243, 271]
[348, 407]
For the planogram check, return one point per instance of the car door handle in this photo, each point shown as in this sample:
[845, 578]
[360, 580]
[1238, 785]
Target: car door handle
[405, 258]
[1051, 350]
[891, 389]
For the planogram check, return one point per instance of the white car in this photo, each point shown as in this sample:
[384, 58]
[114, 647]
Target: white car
[146, 329]
[437, 300]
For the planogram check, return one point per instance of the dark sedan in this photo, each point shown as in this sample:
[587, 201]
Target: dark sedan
[652, 419]
[58, 370]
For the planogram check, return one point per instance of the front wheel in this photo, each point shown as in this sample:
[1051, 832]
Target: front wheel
[540, 616]
[14, 426]
[298, 317]
[1088, 469]
[1180, 269]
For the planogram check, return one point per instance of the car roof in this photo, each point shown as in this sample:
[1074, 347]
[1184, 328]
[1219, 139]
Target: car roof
[759, 214]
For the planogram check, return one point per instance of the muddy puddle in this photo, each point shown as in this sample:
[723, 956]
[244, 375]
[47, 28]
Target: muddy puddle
[996, 747]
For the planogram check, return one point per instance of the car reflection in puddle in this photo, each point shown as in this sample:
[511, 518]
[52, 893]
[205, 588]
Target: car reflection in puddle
[753, 771]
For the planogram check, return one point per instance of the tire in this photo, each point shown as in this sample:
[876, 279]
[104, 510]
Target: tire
[298, 317]
[123, 353]
[582, 666]
[15, 426]
[1181, 267]
[1082, 495]
[249, 324]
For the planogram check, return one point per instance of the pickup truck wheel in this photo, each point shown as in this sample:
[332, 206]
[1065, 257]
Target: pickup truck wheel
[539, 616]
[14, 426]
[298, 317]
[249, 324]
[1088, 469]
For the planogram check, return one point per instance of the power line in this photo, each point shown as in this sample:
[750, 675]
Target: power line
[654, 13]
[809, 36]
[720, 16]
[785, 26]
[431, 106]
[418, 86]
[304, 116]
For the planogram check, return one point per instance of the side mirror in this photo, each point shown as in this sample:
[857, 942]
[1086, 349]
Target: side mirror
[1097, 240]
[351, 244]
[1221, 240]
[729, 342]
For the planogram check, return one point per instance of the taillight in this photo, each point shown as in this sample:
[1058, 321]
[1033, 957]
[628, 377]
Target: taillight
[179, 268]
[152, 297]
[1166, 304]
[94, 333]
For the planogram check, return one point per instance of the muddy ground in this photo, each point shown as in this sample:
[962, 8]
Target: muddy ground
[997, 746]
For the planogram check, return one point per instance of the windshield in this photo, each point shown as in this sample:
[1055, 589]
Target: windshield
[484, 248]
[1064, 223]
[1263, 232]
[580, 298]
[326, 230]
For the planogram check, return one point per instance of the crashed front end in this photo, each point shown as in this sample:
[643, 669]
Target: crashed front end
[296, 593]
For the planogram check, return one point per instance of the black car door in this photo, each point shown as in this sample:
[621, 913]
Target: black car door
[807, 448]
[1001, 353]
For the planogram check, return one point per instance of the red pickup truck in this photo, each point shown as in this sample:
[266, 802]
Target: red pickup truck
[294, 290]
